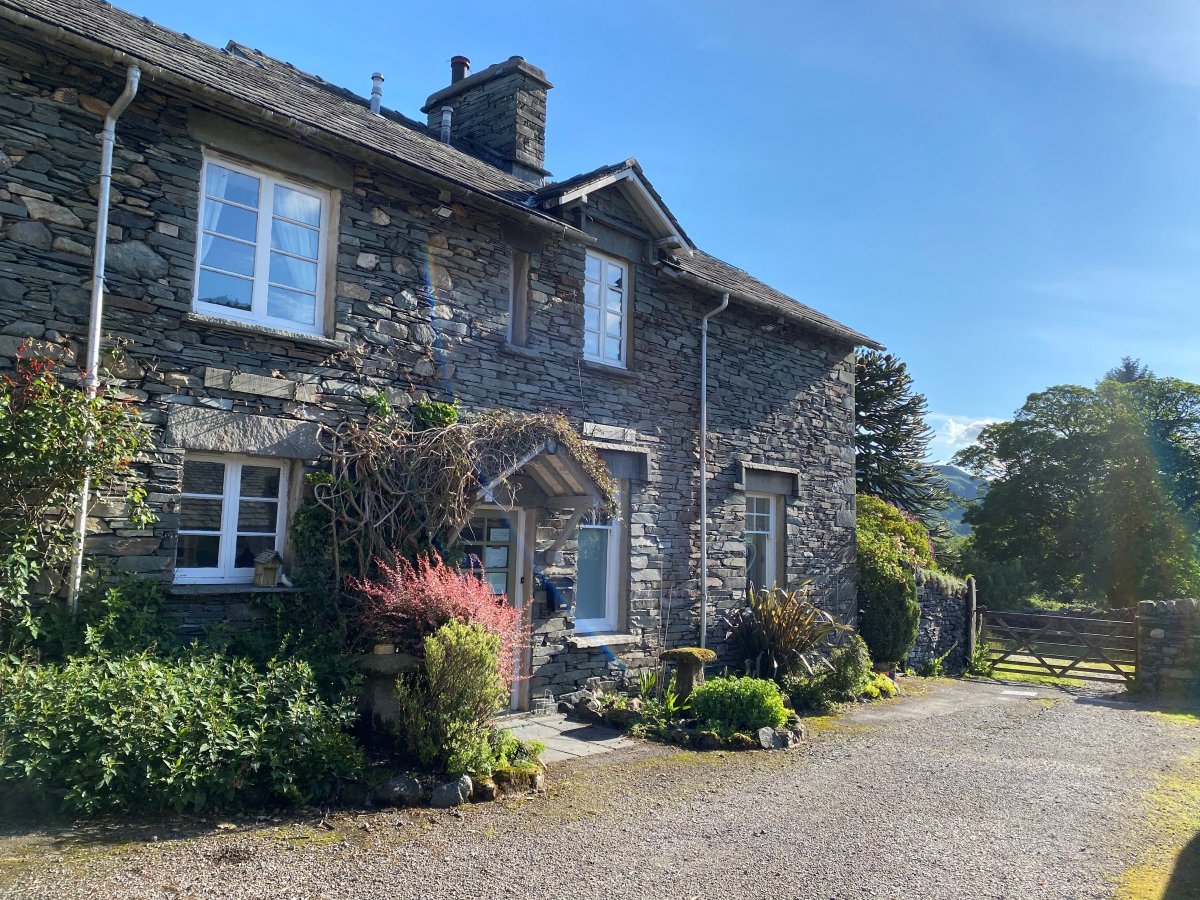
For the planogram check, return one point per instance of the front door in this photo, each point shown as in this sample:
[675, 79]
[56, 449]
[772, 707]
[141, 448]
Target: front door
[494, 550]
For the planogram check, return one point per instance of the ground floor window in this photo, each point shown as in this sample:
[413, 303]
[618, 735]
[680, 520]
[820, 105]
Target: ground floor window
[761, 538]
[232, 509]
[597, 581]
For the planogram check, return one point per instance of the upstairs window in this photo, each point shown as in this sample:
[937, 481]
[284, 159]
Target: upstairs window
[232, 509]
[605, 310]
[261, 255]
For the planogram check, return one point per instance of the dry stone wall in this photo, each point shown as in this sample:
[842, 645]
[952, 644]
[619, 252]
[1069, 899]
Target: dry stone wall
[1168, 641]
[419, 309]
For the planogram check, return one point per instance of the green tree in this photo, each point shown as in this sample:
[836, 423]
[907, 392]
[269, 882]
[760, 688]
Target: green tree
[892, 438]
[1094, 492]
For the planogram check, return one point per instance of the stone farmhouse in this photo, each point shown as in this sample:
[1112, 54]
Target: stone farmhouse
[280, 249]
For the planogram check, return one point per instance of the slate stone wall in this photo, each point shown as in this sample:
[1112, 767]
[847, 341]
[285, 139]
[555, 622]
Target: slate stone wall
[943, 624]
[419, 310]
[1168, 641]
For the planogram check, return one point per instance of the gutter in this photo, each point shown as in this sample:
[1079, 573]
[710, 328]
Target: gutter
[91, 372]
[704, 466]
[482, 199]
[812, 324]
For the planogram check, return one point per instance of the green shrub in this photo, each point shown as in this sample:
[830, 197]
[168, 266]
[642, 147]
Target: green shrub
[892, 616]
[879, 687]
[120, 617]
[728, 705]
[851, 670]
[140, 733]
[446, 706]
[809, 693]
[936, 667]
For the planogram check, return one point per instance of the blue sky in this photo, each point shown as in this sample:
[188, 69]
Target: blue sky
[1007, 194]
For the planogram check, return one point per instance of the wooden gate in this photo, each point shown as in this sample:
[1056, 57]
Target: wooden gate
[1089, 649]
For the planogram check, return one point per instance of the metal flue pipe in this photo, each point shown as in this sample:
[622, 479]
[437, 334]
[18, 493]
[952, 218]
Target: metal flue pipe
[91, 373]
[704, 467]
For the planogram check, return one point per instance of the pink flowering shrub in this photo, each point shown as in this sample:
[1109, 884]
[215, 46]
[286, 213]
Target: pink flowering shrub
[405, 603]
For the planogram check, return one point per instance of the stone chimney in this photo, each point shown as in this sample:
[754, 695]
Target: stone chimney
[501, 108]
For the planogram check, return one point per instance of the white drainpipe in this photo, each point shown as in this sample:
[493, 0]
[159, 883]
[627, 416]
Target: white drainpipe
[704, 468]
[108, 138]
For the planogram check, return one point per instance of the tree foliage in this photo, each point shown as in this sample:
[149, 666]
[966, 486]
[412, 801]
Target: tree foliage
[889, 545]
[1095, 492]
[891, 437]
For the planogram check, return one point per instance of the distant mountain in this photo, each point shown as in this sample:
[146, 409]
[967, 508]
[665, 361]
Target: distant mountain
[963, 486]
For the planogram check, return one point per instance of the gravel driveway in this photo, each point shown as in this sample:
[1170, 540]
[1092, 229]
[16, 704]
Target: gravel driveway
[958, 790]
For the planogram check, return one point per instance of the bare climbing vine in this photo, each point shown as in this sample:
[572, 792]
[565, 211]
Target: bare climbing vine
[393, 485]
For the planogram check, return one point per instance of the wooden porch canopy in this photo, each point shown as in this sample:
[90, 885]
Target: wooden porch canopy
[547, 477]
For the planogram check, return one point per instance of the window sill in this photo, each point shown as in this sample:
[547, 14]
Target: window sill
[518, 350]
[590, 365]
[216, 323]
[595, 641]
[226, 589]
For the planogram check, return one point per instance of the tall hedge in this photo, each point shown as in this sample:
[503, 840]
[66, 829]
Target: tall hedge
[889, 544]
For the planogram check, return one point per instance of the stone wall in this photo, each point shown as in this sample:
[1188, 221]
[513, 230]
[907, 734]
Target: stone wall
[943, 629]
[1168, 641]
[419, 309]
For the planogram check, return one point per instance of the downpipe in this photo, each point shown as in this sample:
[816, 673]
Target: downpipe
[91, 374]
[704, 467]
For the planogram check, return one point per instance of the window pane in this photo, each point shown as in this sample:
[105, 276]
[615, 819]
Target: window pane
[224, 290]
[257, 515]
[198, 551]
[249, 547]
[498, 582]
[295, 205]
[203, 477]
[591, 344]
[260, 481]
[591, 295]
[592, 268]
[293, 273]
[591, 318]
[591, 588]
[612, 350]
[294, 238]
[614, 301]
[231, 185]
[199, 515]
[230, 220]
[613, 324]
[228, 255]
[291, 305]
[756, 560]
[616, 276]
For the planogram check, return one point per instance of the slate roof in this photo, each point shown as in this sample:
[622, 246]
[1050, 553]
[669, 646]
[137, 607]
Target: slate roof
[278, 88]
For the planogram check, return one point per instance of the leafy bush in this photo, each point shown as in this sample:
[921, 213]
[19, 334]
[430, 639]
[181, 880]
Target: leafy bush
[851, 670]
[936, 667]
[889, 545]
[118, 616]
[446, 706]
[904, 534]
[879, 687]
[729, 705]
[778, 629]
[52, 437]
[408, 602]
[140, 733]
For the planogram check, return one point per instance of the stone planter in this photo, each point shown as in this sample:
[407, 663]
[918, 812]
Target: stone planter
[689, 667]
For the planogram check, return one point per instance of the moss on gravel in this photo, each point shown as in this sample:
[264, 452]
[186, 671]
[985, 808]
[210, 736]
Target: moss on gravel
[1172, 822]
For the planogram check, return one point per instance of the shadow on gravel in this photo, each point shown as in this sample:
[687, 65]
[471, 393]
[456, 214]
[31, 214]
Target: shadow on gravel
[1185, 877]
[61, 832]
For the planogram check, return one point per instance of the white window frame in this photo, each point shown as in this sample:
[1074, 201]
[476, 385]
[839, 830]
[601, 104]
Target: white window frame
[612, 597]
[602, 338]
[225, 572]
[257, 313]
[772, 534]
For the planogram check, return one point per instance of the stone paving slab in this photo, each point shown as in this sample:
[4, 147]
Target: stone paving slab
[564, 738]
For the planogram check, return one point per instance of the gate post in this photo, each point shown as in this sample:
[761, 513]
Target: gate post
[970, 623]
